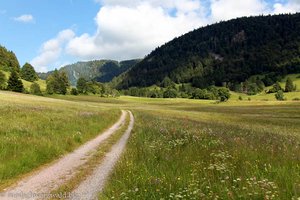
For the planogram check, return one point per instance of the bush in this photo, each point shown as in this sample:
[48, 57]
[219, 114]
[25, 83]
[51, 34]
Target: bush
[35, 89]
[276, 88]
[74, 91]
[199, 94]
[279, 95]
[240, 98]
[224, 94]
[296, 99]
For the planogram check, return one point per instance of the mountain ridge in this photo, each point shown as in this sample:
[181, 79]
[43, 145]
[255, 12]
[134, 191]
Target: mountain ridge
[96, 70]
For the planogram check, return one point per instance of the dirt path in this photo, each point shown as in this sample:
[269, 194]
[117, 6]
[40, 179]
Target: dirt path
[38, 185]
[94, 184]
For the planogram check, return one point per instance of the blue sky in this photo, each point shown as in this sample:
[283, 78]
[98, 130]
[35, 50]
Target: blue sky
[51, 33]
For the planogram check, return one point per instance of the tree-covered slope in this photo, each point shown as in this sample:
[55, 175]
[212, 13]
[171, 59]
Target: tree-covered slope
[226, 52]
[98, 70]
[8, 60]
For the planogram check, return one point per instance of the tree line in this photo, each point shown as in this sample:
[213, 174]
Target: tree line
[14, 82]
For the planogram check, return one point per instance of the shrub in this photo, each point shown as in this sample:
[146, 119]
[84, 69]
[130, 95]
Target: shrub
[296, 99]
[224, 94]
[240, 98]
[276, 88]
[35, 89]
[279, 95]
[74, 91]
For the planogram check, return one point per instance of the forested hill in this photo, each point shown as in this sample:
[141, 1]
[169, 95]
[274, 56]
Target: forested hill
[8, 60]
[98, 70]
[226, 52]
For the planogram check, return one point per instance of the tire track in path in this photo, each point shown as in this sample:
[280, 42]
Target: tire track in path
[92, 185]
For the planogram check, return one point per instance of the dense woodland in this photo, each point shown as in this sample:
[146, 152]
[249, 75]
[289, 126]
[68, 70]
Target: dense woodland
[225, 54]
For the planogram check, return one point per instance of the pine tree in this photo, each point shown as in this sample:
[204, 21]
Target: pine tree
[14, 82]
[289, 86]
[28, 73]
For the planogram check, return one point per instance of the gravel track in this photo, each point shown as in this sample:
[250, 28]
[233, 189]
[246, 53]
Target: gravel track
[92, 185]
[41, 183]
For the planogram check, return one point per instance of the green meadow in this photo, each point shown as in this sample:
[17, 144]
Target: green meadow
[201, 150]
[35, 131]
[191, 149]
[179, 148]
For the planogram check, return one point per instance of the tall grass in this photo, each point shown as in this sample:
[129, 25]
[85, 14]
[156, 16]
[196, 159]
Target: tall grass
[185, 156]
[36, 130]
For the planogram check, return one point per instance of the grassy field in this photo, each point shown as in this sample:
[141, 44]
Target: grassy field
[179, 148]
[191, 149]
[36, 130]
[205, 151]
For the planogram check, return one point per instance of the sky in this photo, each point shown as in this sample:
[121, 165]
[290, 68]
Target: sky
[52, 33]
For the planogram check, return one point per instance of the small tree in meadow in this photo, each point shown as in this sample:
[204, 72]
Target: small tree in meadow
[74, 91]
[224, 94]
[289, 85]
[279, 95]
[35, 89]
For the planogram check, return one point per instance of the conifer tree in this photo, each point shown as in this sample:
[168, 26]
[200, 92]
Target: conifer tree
[289, 86]
[14, 82]
[28, 73]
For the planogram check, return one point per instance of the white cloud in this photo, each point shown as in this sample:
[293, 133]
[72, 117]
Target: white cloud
[132, 31]
[51, 51]
[229, 9]
[291, 6]
[24, 18]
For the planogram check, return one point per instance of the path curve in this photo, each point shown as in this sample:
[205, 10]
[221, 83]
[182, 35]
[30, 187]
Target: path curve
[90, 187]
[40, 184]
